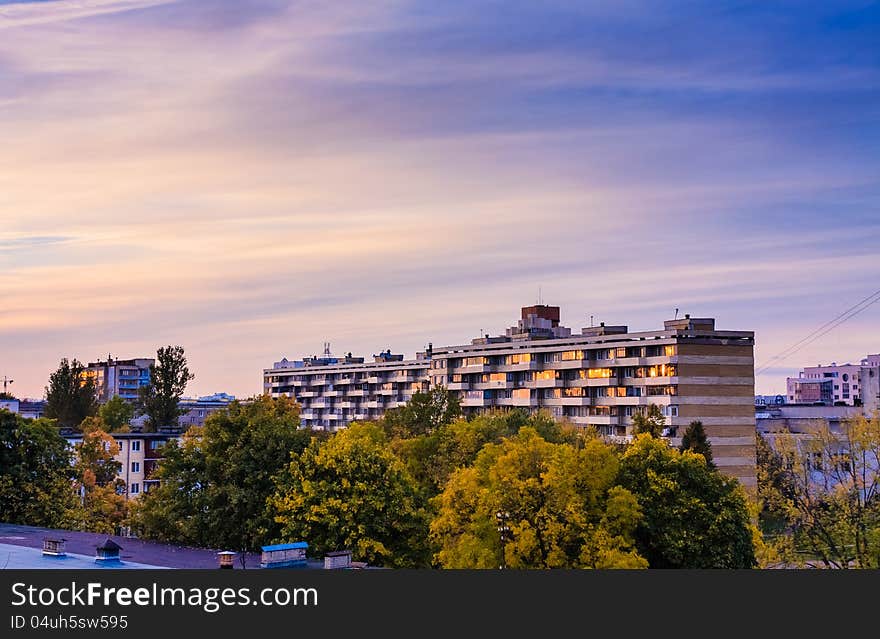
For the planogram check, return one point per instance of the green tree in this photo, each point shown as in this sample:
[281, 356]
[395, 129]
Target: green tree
[353, 492]
[102, 507]
[650, 423]
[423, 414]
[35, 473]
[830, 490]
[559, 502]
[694, 517]
[214, 486]
[70, 395]
[6, 396]
[117, 414]
[696, 441]
[168, 380]
[432, 458]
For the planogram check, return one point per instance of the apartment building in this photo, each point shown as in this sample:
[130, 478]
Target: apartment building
[197, 410]
[139, 454]
[601, 377]
[119, 377]
[843, 384]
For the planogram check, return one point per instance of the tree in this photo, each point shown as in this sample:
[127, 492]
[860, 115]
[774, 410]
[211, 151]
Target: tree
[117, 414]
[353, 492]
[694, 517]
[432, 457]
[70, 395]
[695, 440]
[6, 396]
[423, 414]
[559, 503]
[650, 423]
[35, 473]
[214, 486]
[829, 488]
[168, 380]
[103, 507]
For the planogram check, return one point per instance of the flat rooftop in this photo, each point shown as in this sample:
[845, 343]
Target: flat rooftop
[21, 547]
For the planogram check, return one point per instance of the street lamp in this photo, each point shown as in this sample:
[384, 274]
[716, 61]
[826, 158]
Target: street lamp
[502, 517]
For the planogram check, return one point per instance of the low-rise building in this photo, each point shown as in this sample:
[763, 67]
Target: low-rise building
[842, 384]
[197, 410]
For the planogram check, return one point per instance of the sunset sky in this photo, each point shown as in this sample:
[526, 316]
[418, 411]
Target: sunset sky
[250, 179]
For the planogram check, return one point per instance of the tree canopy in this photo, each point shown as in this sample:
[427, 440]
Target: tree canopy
[353, 492]
[35, 473]
[696, 441]
[70, 395]
[560, 504]
[169, 377]
[694, 517]
[214, 486]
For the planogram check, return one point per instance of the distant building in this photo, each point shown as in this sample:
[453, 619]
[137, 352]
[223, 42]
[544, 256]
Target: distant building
[800, 419]
[600, 378]
[837, 384]
[119, 377]
[32, 408]
[198, 410]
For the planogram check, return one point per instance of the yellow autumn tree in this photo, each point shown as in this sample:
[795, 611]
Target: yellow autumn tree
[529, 503]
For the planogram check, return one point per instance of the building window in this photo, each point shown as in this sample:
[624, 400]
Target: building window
[135, 467]
[136, 445]
[135, 488]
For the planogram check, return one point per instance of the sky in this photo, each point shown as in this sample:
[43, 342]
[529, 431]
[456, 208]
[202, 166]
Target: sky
[250, 179]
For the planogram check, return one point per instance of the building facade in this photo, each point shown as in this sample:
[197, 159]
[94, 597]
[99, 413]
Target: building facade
[196, 411]
[139, 454]
[841, 384]
[119, 377]
[600, 378]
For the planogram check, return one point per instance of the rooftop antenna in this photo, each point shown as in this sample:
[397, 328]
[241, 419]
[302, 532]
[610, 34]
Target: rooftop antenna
[676, 313]
[7, 382]
[326, 349]
[540, 296]
[591, 321]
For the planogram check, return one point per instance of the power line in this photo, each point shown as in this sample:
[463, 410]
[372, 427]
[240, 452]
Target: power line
[824, 329]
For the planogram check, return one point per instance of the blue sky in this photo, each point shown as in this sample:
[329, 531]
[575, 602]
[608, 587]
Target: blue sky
[250, 179]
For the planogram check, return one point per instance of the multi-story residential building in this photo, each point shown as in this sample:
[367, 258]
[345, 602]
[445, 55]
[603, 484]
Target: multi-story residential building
[198, 410]
[119, 377]
[600, 378]
[139, 454]
[837, 383]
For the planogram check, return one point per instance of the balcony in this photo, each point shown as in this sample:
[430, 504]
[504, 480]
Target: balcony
[357, 392]
[318, 403]
[373, 379]
[386, 392]
[307, 414]
[374, 404]
[477, 368]
[306, 394]
[491, 385]
[458, 385]
[547, 383]
[345, 404]
[477, 402]
[567, 401]
[527, 402]
[332, 393]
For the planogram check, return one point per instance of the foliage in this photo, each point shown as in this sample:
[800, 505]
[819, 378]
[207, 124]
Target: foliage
[70, 395]
[650, 423]
[6, 396]
[829, 488]
[696, 441]
[168, 380]
[559, 502]
[352, 492]
[432, 458]
[423, 414]
[117, 414]
[103, 507]
[214, 485]
[35, 473]
[694, 517]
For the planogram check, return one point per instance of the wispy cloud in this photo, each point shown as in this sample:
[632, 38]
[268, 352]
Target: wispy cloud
[24, 13]
[253, 178]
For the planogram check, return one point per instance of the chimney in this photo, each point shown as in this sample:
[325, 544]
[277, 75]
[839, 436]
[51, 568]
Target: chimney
[226, 558]
[54, 547]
